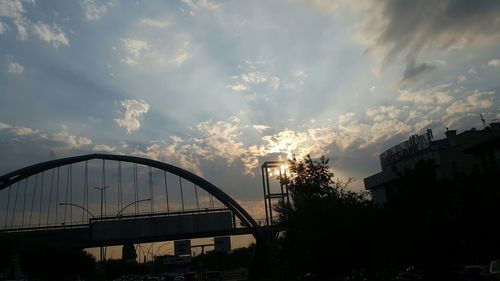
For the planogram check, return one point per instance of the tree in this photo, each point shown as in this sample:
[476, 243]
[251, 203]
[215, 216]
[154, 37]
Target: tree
[6, 252]
[128, 253]
[46, 260]
[327, 225]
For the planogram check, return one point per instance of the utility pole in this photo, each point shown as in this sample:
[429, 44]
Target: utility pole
[101, 189]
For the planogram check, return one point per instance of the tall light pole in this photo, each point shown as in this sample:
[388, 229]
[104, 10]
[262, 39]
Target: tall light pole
[133, 203]
[102, 193]
[78, 206]
[101, 249]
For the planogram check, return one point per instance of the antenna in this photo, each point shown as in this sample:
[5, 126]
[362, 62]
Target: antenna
[482, 119]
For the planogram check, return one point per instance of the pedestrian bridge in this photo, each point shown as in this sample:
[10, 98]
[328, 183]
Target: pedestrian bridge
[103, 200]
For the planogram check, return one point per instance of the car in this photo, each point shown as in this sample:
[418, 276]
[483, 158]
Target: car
[213, 276]
[407, 276]
[179, 278]
[494, 272]
[475, 273]
[189, 276]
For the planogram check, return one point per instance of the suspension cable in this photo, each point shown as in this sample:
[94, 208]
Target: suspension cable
[66, 196]
[104, 183]
[166, 190]
[119, 186]
[41, 200]
[135, 189]
[7, 210]
[151, 190]
[182, 195]
[15, 204]
[24, 200]
[33, 200]
[57, 194]
[50, 195]
[85, 191]
[71, 192]
[87, 186]
[196, 195]
[211, 200]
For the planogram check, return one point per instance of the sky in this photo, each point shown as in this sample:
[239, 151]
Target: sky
[219, 87]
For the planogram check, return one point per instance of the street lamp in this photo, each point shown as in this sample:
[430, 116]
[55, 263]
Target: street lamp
[78, 206]
[102, 250]
[161, 246]
[102, 192]
[135, 202]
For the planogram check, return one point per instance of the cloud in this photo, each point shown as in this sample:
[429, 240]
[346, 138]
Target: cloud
[140, 52]
[152, 23]
[93, 11]
[300, 74]
[203, 4]
[275, 82]
[381, 113]
[134, 50]
[414, 70]
[23, 131]
[104, 148]
[4, 126]
[181, 55]
[14, 67]
[477, 100]
[436, 95]
[2, 28]
[313, 141]
[18, 130]
[238, 87]
[63, 139]
[261, 128]
[14, 11]
[245, 81]
[344, 118]
[176, 152]
[70, 141]
[253, 77]
[134, 111]
[398, 29]
[51, 34]
[494, 62]
[221, 139]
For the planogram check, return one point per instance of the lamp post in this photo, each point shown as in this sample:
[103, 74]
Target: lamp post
[135, 202]
[101, 189]
[78, 206]
[161, 246]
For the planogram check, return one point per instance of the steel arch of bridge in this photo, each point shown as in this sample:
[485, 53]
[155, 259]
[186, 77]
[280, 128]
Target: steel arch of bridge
[18, 175]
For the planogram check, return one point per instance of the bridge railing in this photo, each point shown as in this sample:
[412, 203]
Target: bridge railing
[163, 214]
[78, 224]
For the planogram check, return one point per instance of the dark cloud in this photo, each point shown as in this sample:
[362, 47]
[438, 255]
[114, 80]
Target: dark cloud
[410, 27]
[414, 70]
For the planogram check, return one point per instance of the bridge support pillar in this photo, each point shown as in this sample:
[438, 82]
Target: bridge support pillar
[261, 265]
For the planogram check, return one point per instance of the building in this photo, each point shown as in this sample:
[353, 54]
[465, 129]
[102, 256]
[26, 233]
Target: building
[464, 153]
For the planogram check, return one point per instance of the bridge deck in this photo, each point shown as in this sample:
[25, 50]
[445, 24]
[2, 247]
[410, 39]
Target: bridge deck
[109, 231]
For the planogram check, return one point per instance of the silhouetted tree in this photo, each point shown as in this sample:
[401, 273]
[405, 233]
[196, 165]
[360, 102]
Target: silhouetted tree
[47, 261]
[128, 253]
[6, 252]
[330, 230]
